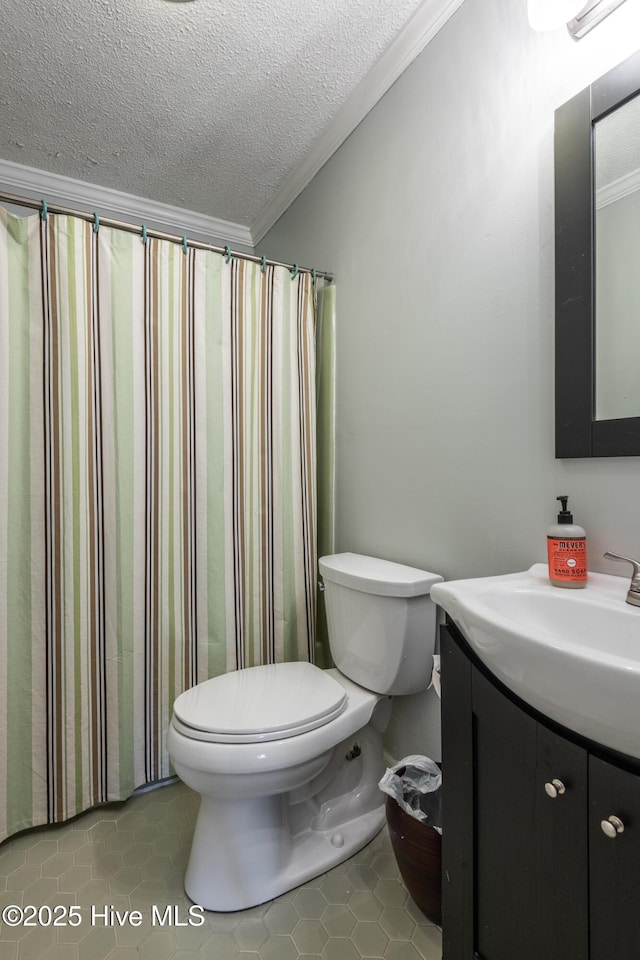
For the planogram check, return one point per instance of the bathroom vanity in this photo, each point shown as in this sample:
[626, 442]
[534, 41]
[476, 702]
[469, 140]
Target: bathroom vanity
[528, 869]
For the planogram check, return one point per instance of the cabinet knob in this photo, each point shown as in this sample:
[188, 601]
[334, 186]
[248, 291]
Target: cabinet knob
[612, 827]
[554, 789]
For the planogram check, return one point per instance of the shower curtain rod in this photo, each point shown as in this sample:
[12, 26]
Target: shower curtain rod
[158, 234]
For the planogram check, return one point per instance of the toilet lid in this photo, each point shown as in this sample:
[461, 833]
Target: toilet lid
[255, 704]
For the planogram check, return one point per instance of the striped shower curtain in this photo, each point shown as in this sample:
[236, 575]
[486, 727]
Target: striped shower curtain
[157, 497]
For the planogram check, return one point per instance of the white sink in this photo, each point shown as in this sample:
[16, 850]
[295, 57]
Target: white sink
[574, 655]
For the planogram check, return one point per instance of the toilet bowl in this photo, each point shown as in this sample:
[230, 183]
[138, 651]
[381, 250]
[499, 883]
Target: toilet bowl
[276, 812]
[287, 757]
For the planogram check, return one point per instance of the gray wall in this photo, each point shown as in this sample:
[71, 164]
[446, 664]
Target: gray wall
[437, 217]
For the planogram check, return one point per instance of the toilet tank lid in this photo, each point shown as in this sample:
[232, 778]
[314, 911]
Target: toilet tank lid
[372, 575]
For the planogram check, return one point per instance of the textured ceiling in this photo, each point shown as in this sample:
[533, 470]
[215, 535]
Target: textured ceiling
[207, 105]
[617, 144]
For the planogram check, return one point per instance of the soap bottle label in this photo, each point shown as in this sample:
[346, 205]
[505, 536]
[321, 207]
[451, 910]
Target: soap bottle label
[567, 558]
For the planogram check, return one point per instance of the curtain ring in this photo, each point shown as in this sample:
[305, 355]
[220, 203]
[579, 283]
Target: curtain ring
[44, 213]
[96, 222]
[263, 265]
[185, 245]
[313, 274]
[294, 272]
[227, 254]
[143, 235]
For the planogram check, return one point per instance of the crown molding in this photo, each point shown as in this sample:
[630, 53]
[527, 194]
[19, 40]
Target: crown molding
[34, 183]
[425, 23]
[618, 189]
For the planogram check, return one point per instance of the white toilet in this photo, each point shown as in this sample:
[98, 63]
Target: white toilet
[287, 757]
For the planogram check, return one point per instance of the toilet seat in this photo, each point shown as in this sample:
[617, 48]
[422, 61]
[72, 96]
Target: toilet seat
[257, 704]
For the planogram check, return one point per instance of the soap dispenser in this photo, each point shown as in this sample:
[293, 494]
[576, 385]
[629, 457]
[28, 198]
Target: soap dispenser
[567, 550]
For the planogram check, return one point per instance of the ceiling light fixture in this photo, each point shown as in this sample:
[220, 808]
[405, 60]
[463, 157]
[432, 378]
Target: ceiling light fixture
[551, 14]
[580, 17]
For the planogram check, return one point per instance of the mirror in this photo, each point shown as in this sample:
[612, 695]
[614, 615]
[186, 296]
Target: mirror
[597, 172]
[616, 142]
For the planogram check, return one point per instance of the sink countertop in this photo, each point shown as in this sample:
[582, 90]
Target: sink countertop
[572, 654]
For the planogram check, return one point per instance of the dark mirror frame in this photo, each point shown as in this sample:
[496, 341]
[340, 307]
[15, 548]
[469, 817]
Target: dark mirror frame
[578, 433]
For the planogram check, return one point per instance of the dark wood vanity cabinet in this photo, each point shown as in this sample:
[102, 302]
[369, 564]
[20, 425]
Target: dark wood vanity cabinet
[528, 872]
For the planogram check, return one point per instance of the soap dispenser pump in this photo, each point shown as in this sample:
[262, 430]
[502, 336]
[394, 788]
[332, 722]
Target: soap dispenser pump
[567, 550]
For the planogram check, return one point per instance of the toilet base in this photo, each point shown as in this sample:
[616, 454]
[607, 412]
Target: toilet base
[249, 849]
[271, 868]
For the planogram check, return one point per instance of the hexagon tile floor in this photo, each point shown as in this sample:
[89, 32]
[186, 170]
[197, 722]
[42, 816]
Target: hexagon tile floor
[132, 856]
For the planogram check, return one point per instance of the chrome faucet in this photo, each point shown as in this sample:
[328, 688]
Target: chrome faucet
[633, 595]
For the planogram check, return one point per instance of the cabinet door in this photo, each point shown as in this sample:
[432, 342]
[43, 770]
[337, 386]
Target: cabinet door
[614, 863]
[457, 802]
[562, 855]
[530, 858]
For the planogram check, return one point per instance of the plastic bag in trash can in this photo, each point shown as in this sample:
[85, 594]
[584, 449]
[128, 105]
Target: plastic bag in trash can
[415, 784]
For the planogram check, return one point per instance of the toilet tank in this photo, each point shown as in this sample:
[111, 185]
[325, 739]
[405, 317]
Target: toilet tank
[381, 621]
